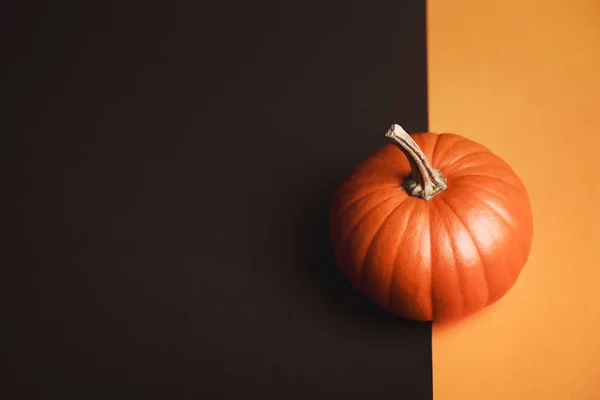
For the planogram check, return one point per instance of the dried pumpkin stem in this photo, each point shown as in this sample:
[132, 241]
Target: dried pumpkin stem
[424, 182]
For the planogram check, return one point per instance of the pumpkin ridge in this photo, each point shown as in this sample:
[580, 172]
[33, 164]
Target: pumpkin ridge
[355, 201]
[451, 148]
[460, 170]
[473, 154]
[431, 260]
[398, 248]
[497, 195]
[362, 218]
[437, 141]
[512, 185]
[485, 274]
[377, 232]
[502, 218]
[460, 281]
[494, 192]
[448, 169]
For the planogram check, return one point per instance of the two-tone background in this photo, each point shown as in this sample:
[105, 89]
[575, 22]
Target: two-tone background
[170, 170]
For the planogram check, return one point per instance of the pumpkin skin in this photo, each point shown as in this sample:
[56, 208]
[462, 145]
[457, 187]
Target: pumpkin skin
[438, 259]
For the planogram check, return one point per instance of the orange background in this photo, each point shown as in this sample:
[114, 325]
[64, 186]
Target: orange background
[523, 78]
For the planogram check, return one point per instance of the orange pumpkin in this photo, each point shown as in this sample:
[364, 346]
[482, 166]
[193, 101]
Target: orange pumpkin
[431, 227]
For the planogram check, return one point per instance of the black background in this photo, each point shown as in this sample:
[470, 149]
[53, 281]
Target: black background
[170, 169]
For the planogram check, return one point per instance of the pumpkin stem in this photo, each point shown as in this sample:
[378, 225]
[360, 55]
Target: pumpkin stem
[424, 182]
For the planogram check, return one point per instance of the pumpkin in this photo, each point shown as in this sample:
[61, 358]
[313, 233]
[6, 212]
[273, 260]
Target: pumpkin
[431, 227]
